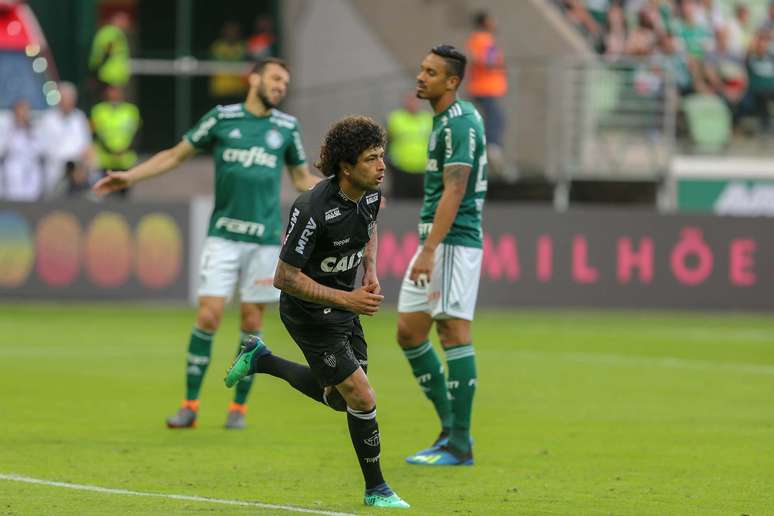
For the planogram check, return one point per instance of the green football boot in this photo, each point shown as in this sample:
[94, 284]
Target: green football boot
[383, 496]
[243, 363]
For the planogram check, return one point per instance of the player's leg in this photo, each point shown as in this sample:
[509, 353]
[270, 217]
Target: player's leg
[208, 316]
[453, 309]
[256, 358]
[461, 363]
[218, 272]
[251, 322]
[256, 272]
[414, 323]
[364, 434]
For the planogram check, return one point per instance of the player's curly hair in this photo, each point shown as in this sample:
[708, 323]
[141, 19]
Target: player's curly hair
[346, 140]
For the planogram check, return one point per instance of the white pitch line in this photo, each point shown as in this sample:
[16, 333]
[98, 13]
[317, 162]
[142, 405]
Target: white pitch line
[188, 498]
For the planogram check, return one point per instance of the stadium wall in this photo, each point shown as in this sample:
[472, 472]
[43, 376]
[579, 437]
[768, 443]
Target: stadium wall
[610, 258]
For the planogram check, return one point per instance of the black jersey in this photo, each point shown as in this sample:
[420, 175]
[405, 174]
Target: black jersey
[326, 238]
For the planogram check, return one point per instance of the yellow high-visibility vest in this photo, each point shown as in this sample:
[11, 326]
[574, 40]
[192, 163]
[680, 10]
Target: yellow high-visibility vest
[409, 136]
[115, 126]
[110, 56]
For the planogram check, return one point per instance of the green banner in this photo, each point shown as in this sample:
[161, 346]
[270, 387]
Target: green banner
[726, 197]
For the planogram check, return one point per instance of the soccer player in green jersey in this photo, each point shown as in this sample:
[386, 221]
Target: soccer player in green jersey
[250, 143]
[441, 282]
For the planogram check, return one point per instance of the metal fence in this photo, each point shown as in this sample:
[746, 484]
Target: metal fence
[610, 122]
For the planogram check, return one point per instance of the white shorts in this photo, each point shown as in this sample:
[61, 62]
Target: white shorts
[224, 262]
[453, 286]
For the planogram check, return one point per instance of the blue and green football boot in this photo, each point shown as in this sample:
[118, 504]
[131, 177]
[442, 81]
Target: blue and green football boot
[242, 366]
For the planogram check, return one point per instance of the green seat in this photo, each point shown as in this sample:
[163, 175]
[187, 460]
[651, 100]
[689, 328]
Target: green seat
[709, 122]
[605, 91]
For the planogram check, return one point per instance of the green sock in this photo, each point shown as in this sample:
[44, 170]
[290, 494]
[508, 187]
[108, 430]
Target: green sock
[199, 350]
[462, 386]
[243, 386]
[428, 371]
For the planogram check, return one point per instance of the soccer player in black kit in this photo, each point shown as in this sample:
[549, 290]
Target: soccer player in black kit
[331, 233]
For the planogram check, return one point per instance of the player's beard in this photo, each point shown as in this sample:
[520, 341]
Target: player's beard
[265, 99]
[368, 187]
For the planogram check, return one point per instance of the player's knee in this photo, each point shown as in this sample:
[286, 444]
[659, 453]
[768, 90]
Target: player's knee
[252, 319]
[208, 319]
[407, 336]
[363, 401]
[360, 397]
[452, 334]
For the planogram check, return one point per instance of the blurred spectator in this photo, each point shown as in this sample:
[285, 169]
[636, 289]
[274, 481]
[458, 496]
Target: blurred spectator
[697, 37]
[487, 85]
[228, 88]
[584, 21]
[615, 41]
[760, 69]
[710, 15]
[109, 60]
[740, 31]
[67, 135]
[115, 124]
[21, 157]
[704, 50]
[725, 73]
[580, 16]
[409, 131]
[261, 43]
[598, 9]
[643, 37]
[686, 71]
[768, 23]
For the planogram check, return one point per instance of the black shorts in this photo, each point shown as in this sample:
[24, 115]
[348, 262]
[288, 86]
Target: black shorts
[333, 351]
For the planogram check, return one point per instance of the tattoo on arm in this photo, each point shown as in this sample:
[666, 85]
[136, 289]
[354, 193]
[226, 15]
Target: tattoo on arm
[455, 177]
[455, 182]
[369, 256]
[292, 281]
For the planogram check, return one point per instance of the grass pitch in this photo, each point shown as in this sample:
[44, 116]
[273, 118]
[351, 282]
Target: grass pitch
[576, 413]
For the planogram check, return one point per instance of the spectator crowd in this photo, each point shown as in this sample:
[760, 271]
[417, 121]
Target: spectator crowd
[709, 48]
[62, 151]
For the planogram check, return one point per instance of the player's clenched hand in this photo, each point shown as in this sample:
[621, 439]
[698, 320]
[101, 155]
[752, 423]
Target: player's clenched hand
[112, 182]
[364, 301]
[422, 268]
[371, 282]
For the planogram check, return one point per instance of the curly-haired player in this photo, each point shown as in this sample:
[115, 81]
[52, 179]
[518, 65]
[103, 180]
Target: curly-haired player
[331, 233]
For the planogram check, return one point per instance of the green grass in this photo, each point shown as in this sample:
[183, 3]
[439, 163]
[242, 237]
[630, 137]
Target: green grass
[576, 413]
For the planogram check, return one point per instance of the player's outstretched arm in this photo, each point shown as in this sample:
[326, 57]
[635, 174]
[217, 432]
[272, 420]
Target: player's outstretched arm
[362, 301]
[160, 163]
[455, 182]
[302, 179]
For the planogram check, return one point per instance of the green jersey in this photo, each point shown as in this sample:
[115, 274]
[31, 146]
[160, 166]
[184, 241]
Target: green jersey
[457, 139]
[250, 153]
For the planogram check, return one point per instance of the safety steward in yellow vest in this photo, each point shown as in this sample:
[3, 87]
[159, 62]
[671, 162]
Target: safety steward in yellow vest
[115, 123]
[409, 131]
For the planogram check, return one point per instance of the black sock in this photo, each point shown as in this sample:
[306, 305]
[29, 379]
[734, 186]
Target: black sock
[364, 432]
[299, 376]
